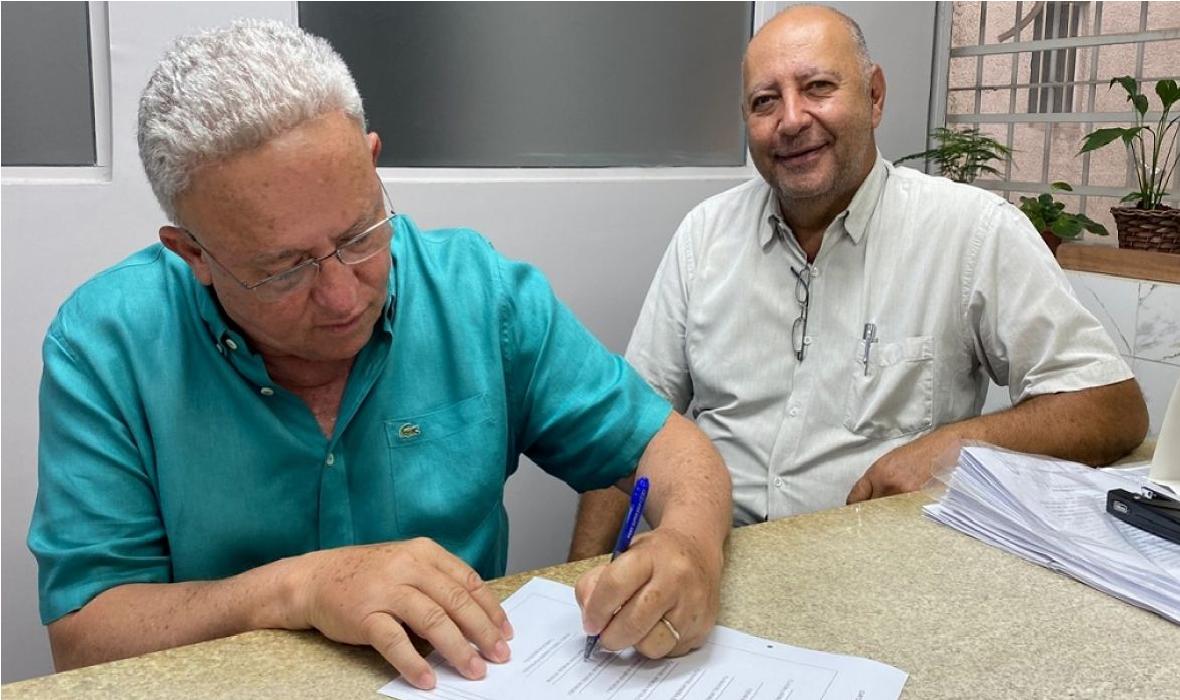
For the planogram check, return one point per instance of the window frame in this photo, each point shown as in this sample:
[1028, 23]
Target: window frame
[100, 90]
[940, 92]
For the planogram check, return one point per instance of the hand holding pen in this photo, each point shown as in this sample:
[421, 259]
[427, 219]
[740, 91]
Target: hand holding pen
[626, 532]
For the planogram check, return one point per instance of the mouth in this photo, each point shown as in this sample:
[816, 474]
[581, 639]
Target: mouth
[800, 156]
[345, 326]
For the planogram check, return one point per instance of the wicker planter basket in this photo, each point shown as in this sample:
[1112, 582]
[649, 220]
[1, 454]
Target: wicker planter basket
[1148, 229]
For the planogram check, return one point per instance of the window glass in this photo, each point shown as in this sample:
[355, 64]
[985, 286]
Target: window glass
[47, 101]
[1040, 98]
[569, 84]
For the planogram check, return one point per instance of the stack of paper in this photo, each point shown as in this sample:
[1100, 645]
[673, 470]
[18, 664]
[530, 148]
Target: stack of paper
[1053, 513]
[547, 663]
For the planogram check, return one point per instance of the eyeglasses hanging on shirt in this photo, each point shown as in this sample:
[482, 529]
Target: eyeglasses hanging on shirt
[799, 337]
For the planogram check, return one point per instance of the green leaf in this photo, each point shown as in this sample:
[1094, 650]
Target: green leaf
[1129, 84]
[1062, 185]
[1067, 227]
[1140, 102]
[1045, 199]
[1132, 197]
[1095, 227]
[1100, 137]
[1168, 92]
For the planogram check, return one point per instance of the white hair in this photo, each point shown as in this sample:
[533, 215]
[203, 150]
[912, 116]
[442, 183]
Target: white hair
[230, 90]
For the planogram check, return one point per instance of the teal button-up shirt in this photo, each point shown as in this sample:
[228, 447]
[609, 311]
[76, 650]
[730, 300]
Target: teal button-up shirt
[167, 453]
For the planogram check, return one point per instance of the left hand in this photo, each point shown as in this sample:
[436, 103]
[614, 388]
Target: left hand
[664, 574]
[906, 468]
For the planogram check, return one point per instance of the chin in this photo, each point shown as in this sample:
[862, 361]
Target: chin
[798, 190]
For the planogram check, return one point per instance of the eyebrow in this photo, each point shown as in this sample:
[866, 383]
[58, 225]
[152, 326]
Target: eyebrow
[812, 71]
[263, 259]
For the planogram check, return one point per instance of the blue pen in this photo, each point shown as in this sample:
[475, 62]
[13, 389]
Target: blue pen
[630, 522]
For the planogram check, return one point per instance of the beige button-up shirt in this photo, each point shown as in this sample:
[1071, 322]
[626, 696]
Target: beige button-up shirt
[950, 282]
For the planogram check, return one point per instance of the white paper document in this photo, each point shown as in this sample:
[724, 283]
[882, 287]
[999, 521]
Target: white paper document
[547, 663]
[1053, 513]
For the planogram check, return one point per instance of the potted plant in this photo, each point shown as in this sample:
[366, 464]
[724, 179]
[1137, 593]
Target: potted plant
[1055, 224]
[1149, 224]
[962, 155]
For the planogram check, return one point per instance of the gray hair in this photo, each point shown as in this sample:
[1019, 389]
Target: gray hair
[862, 47]
[229, 90]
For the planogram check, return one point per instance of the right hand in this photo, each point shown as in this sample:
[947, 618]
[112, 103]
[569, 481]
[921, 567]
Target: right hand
[364, 595]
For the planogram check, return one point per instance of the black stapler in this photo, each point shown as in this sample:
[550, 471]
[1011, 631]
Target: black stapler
[1152, 512]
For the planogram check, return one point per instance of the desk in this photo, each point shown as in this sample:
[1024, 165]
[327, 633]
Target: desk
[875, 580]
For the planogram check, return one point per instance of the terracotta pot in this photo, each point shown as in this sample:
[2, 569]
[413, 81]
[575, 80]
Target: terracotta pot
[1148, 229]
[1051, 240]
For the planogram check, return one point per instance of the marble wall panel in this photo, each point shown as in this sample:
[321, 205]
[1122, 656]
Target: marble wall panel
[1157, 327]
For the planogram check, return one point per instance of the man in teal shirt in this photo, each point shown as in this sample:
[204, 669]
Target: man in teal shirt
[271, 421]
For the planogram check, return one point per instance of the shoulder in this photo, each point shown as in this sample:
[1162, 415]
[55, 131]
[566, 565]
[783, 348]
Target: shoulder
[459, 268]
[956, 212]
[729, 218]
[746, 201]
[943, 190]
[441, 250]
[141, 294]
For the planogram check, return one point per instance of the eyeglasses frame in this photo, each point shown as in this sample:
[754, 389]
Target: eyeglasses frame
[802, 281]
[306, 263]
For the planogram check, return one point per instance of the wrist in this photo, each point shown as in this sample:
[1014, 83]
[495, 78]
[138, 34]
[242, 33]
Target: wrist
[708, 541]
[282, 600]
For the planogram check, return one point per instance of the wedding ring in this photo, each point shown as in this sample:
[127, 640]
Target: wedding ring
[675, 634]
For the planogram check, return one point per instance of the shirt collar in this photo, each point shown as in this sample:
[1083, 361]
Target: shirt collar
[855, 218]
[864, 202]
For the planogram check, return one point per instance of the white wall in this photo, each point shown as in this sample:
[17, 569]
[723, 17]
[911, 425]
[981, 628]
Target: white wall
[597, 234]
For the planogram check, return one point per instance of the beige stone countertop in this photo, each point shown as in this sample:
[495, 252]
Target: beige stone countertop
[877, 580]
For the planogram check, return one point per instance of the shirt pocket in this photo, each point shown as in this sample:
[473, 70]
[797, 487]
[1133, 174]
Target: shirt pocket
[447, 467]
[896, 396]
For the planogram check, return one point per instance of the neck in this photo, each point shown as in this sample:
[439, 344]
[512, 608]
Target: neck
[319, 384]
[298, 375]
[810, 217]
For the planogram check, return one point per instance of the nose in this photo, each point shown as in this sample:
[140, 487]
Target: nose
[795, 116]
[336, 286]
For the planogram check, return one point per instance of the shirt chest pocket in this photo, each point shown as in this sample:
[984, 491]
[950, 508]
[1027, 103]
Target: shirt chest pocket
[448, 469]
[896, 396]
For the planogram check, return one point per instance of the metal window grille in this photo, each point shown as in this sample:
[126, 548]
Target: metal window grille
[1034, 76]
[1054, 69]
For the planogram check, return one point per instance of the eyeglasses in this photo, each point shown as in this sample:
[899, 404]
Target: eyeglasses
[799, 339]
[356, 250]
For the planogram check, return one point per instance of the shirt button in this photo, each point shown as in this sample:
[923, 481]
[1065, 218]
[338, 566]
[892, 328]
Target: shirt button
[229, 343]
[794, 411]
[330, 459]
[815, 272]
[778, 482]
[266, 391]
[807, 340]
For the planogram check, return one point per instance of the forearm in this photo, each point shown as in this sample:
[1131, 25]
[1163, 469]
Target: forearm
[1094, 426]
[597, 524]
[690, 485]
[138, 618]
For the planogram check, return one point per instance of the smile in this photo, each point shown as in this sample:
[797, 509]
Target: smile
[801, 157]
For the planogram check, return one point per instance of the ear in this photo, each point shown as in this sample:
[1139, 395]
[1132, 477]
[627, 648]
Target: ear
[877, 94]
[180, 242]
[374, 145]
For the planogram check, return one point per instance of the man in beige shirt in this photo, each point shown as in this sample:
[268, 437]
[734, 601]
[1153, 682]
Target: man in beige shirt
[832, 325]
